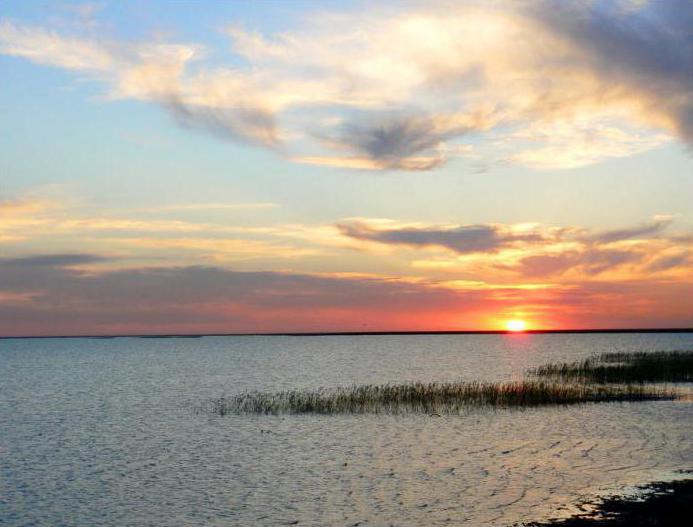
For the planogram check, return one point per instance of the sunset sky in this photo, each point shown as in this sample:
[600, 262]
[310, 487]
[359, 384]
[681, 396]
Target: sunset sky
[189, 166]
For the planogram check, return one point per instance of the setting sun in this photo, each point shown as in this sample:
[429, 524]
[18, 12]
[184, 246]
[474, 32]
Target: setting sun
[515, 325]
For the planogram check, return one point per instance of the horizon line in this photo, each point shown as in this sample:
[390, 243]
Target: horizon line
[357, 333]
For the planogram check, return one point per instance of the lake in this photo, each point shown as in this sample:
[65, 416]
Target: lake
[104, 432]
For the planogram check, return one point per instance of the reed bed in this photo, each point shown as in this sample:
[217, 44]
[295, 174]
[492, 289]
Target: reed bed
[608, 368]
[431, 398]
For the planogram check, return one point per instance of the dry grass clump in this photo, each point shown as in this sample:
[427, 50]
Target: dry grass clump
[427, 398]
[661, 366]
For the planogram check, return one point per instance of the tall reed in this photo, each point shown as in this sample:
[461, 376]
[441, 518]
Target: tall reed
[427, 397]
[659, 366]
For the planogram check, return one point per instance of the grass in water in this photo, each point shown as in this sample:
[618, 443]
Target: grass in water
[661, 366]
[428, 397]
[604, 378]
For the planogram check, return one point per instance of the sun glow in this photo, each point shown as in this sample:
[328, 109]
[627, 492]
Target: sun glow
[515, 325]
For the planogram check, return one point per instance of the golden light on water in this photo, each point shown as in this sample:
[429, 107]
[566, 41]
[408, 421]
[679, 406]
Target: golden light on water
[515, 325]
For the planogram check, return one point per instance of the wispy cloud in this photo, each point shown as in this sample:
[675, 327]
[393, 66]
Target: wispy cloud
[589, 262]
[218, 249]
[51, 260]
[655, 227]
[550, 146]
[20, 216]
[176, 232]
[250, 124]
[182, 207]
[549, 84]
[187, 234]
[671, 261]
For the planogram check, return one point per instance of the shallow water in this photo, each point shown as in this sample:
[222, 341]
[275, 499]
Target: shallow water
[100, 432]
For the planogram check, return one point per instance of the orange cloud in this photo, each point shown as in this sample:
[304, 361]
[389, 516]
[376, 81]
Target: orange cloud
[489, 252]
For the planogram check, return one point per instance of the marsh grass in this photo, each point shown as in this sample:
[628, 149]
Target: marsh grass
[608, 368]
[609, 377]
[428, 398]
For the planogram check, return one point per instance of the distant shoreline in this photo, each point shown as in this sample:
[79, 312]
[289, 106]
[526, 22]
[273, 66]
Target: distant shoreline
[360, 333]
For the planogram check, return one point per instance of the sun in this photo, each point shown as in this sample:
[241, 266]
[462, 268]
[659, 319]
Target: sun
[515, 325]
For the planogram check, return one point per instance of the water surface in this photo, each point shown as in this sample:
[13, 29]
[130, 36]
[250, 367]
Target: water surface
[100, 432]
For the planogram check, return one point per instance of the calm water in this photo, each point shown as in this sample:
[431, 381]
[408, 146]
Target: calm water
[99, 432]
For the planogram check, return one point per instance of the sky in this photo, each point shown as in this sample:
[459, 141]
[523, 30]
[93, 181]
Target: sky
[219, 167]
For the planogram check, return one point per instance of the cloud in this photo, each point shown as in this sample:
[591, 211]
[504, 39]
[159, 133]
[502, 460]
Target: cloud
[51, 260]
[593, 254]
[10, 298]
[653, 228]
[403, 142]
[589, 262]
[470, 251]
[220, 248]
[61, 299]
[393, 144]
[669, 262]
[205, 298]
[144, 71]
[487, 251]
[49, 48]
[14, 207]
[562, 146]
[212, 206]
[19, 216]
[186, 233]
[252, 125]
[546, 84]
[634, 304]
[647, 50]
[461, 239]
